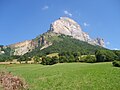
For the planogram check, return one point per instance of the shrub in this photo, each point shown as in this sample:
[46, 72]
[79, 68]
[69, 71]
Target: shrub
[116, 63]
[45, 60]
[54, 60]
[36, 59]
[117, 52]
[71, 58]
[105, 55]
[49, 60]
[82, 58]
[88, 59]
[62, 59]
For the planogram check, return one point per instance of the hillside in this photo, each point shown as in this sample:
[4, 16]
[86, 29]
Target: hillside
[63, 43]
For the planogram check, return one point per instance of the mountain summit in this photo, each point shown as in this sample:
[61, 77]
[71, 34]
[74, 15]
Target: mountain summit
[67, 26]
[62, 26]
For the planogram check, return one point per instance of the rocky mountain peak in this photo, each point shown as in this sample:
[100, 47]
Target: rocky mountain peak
[63, 25]
[67, 26]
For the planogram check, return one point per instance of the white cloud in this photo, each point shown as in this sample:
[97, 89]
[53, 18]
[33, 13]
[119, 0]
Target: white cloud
[116, 49]
[68, 13]
[86, 24]
[45, 7]
[107, 43]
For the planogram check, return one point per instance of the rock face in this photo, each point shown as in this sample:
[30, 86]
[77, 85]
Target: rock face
[67, 26]
[27, 46]
[22, 47]
[1, 51]
[100, 42]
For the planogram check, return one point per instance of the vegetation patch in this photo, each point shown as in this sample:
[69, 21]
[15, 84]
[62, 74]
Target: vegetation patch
[11, 82]
[88, 59]
[68, 76]
[116, 63]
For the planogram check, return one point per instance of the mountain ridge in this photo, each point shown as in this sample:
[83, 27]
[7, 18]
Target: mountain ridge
[63, 25]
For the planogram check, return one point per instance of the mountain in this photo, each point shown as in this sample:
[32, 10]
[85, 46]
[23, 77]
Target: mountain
[67, 26]
[64, 26]
[63, 43]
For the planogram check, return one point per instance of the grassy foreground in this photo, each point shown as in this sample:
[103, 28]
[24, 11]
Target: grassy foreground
[68, 76]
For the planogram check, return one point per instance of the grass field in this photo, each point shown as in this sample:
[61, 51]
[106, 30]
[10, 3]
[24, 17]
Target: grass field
[68, 76]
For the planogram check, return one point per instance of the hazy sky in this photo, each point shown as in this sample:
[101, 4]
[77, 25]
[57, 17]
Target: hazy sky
[25, 19]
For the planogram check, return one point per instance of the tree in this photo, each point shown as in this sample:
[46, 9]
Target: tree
[62, 59]
[55, 60]
[116, 63]
[90, 59]
[71, 58]
[49, 60]
[105, 55]
[23, 58]
[36, 59]
[117, 52]
[77, 55]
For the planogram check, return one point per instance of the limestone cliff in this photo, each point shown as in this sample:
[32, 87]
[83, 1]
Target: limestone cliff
[67, 26]
[22, 47]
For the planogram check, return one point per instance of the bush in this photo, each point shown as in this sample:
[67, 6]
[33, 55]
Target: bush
[105, 55]
[36, 59]
[69, 56]
[82, 58]
[62, 59]
[49, 60]
[4, 58]
[88, 59]
[117, 52]
[55, 60]
[116, 63]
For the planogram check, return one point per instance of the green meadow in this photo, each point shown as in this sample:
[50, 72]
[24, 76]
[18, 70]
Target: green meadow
[67, 76]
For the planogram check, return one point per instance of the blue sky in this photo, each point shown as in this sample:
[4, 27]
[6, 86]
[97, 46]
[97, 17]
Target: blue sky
[25, 19]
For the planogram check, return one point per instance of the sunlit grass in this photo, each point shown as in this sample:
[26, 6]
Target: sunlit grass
[68, 76]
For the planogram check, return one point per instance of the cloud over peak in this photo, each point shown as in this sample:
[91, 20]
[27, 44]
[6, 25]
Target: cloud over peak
[67, 13]
[86, 24]
[45, 7]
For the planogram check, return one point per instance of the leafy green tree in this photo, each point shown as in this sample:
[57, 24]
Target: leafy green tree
[49, 60]
[43, 60]
[36, 59]
[77, 55]
[46, 61]
[105, 55]
[23, 58]
[62, 59]
[90, 59]
[117, 52]
[71, 58]
[116, 63]
[55, 60]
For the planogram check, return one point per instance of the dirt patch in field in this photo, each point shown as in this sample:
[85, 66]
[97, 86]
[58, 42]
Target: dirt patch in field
[11, 82]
